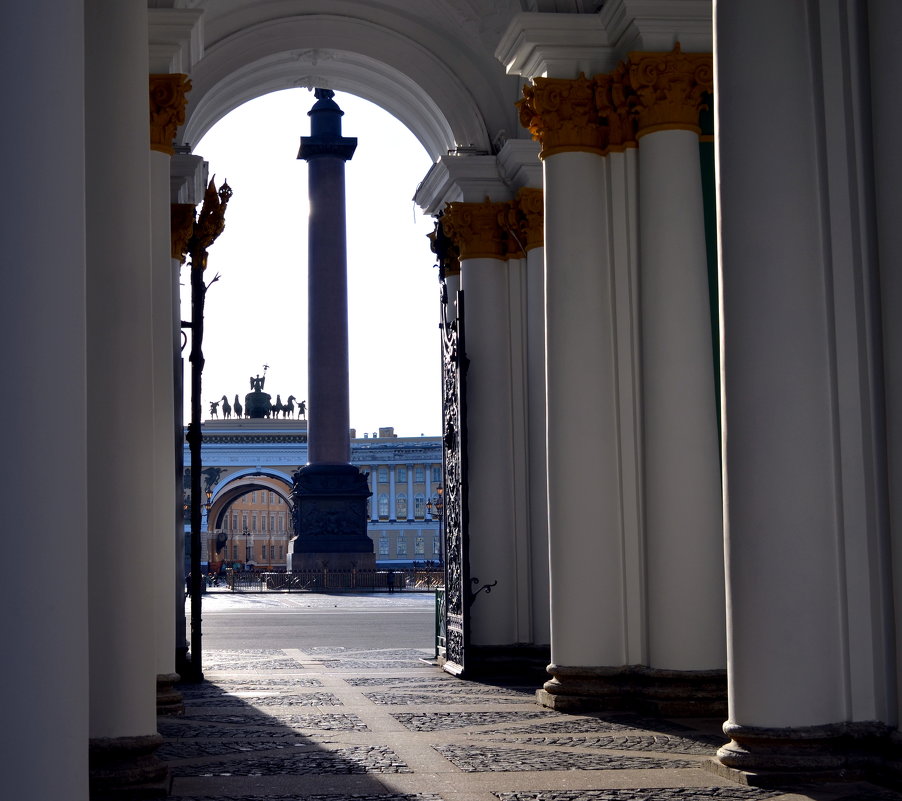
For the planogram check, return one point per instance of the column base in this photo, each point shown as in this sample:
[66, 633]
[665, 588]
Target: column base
[766, 757]
[169, 700]
[127, 768]
[636, 688]
[333, 561]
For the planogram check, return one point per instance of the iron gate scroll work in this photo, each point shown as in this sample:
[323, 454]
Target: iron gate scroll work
[454, 442]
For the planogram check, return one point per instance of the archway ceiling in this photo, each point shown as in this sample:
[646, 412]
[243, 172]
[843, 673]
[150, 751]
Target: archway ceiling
[430, 63]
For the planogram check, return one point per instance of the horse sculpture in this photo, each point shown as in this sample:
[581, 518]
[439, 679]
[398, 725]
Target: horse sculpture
[288, 408]
[276, 408]
[226, 409]
[237, 407]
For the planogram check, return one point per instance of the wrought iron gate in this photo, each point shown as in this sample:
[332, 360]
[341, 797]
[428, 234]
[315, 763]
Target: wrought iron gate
[454, 442]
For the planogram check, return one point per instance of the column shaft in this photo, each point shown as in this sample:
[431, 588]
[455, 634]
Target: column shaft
[327, 286]
[684, 533]
[586, 548]
[806, 589]
[120, 377]
[42, 336]
[492, 537]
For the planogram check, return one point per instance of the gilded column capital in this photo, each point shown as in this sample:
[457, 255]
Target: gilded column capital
[614, 99]
[167, 109]
[561, 114]
[669, 89]
[476, 229]
[530, 205]
[181, 228]
[447, 254]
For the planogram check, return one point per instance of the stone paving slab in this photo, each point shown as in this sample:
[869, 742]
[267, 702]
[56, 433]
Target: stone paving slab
[338, 724]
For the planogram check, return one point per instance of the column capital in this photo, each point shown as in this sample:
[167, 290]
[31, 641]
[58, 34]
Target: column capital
[561, 114]
[476, 229]
[669, 89]
[181, 228]
[530, 205]
[167, 109]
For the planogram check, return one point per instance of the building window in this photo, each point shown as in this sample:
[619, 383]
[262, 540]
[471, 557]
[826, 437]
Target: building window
[281, 554]
[419, 474]
[437, 474]
[383, 475]
[272, 522]
[401, 474]
[383, 505]
[254, 496]
[401, 549]
[383, 544]
[272, 551]
[401, 505]
[419, 547]
[262, 522]
[235, 552]
[244, 522]
[254, 521]
[419, 506]
[436, 546]
[281, 521]
[235, 522]
[262, 553]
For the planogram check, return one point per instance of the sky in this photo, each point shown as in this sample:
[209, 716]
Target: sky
[256, 312]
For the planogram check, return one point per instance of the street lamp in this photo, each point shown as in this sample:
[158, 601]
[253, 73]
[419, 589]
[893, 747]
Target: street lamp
[247, 547]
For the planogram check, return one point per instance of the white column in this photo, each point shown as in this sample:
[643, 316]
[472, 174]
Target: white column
[392, 511]
[807, 600]
[536, 433]
[885, 19]
[586, 549]
[42, 336]
[491, 527]
[684, 532]
[120, 472]
[163, 278]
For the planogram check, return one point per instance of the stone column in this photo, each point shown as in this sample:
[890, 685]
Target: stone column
[809, 613]
[493, 538]
[683, 516]
[392, 499]
[530, 205]
[42, 337]
[167, 112]
[330, 492]
[410, 494]
[586, 545]
[120, 466]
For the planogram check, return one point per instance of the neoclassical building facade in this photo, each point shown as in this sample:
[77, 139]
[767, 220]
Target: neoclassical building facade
[684, 386]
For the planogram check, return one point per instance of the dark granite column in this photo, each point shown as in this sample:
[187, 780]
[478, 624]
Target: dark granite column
[329, 493]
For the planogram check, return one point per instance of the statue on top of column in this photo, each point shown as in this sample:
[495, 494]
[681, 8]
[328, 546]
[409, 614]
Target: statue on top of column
[323, 94]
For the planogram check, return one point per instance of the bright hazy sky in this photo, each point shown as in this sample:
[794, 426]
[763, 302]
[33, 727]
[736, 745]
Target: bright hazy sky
[256, 313]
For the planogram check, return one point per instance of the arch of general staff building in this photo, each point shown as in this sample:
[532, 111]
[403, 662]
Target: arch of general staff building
[609, 461]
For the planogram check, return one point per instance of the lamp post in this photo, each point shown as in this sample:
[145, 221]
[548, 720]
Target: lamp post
[247, 547]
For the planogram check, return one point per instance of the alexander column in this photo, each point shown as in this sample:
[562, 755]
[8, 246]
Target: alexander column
[329, 493]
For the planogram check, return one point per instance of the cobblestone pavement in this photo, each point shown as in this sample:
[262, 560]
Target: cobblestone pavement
[336, 724]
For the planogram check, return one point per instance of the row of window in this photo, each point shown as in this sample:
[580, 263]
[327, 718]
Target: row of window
[382, 507]
[250, 553]
[419, 545]
[276, 522]
[419, 474]
[251, 497]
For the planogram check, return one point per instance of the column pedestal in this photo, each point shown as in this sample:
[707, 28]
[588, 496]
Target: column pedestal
[330, 503]
[671, 693]
[127, 768]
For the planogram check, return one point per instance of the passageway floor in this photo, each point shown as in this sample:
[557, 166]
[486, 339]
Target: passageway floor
[333, 723]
